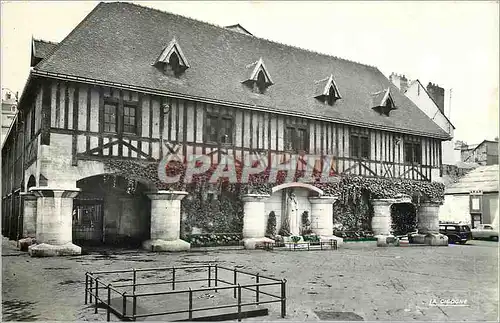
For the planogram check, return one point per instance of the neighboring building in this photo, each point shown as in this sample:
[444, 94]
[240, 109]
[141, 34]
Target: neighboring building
[430, 100]
[130, 85]
[481, 184]
[485, 153]
[9, 103]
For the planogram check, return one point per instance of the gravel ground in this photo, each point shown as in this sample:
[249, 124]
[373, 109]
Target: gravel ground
[357, 282]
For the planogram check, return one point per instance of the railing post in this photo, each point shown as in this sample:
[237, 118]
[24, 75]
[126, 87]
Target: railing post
[134, 307]
[124, 305]
[96, 295]
[239, 303]
[209, 275]
[173, 278]
[108, 308]
[216, 277]
[283, 298]
[257, 288]
[190, 308]
[86, 287]
[234, 282]
[134, 280]
[91, 288]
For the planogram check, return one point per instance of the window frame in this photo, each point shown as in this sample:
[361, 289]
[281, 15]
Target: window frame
[358, 138]
[218, 118]
[120, 104]
[415, 158]
[125, 107]
[116, 105]
[291, 143]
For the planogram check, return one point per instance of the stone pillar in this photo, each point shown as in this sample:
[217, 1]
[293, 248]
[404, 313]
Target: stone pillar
[166, 222]
[29, 214]
[322, 217]
[428, 218]
[29, 201]
[254, 220]
[54, 222]
[381, 221]
[428, 225]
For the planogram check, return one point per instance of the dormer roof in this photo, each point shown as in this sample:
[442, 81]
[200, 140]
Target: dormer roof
[322, 87]
[172, 47]
[383, 101]
[253, 72]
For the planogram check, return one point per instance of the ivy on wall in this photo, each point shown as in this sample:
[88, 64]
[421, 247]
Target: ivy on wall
[223, 210]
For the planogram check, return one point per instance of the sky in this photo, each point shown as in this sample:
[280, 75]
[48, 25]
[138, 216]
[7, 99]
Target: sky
[452, 44]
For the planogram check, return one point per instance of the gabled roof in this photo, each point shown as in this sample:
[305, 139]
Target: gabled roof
[323, 87]
[484, 178]
[239, 28]
[172, 47]
[417, 81]
[40, 49]
[116, 43]
[254, 69]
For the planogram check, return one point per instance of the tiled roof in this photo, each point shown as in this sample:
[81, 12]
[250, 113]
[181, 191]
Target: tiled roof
[42, 48]
[117, 42]
[483, 178]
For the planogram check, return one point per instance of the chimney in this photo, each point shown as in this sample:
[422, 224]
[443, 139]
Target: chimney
[400, 81]
[437, 94]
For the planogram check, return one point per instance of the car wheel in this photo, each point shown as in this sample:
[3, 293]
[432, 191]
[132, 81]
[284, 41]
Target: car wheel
[495, 238]
[462, 242]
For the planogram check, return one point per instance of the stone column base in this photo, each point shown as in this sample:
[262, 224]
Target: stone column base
[48, 250]
[332, 237]
[431, 239]
[252, 243]
[386, 240]
[24, 243]
[166, 245]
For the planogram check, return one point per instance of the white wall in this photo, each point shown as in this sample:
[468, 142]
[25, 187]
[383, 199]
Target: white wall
[417, 94]
[455, 209]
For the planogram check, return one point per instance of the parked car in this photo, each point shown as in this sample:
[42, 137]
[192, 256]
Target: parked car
[456, 233]
[485, 231]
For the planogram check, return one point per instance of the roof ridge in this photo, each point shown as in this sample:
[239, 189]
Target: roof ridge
[246, 35]
[45, 41]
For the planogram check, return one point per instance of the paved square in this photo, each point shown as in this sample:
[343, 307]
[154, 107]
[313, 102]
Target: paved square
[358, 281]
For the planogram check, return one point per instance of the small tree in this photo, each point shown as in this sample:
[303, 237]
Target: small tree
[285, 227]
[271, 225]
[306, 223]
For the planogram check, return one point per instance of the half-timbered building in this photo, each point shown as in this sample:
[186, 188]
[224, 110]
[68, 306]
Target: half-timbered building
[131, 83]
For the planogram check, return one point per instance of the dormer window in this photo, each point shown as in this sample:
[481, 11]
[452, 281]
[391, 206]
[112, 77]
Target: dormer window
[330, 99]
[383, 102]
[258, 78]
[172, 59]
[326, 91]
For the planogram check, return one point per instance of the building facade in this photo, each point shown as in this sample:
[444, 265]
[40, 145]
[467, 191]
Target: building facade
[119, 94]
[480, 184]
[430, 100]
[485, 153]
[9, 103]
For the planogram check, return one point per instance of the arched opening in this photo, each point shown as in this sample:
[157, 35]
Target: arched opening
[111, 210]
[291, 207]
[331, 96]
[403, 218]
[261, 82]
[174, 63]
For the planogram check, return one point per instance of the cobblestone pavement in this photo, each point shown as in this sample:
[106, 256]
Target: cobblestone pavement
[358, 281]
